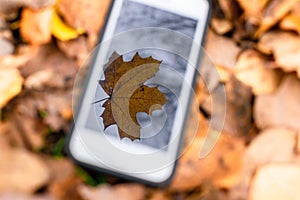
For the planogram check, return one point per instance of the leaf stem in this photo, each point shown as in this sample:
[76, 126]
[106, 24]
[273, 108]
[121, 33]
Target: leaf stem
[101, 100]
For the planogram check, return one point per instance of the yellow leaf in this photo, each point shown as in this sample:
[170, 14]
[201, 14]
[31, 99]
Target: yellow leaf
[62, 31]
[11, 85]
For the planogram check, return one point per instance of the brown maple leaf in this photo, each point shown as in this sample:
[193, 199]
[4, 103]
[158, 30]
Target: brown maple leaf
[124, 83]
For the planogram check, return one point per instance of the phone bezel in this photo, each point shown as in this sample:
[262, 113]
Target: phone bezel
[142, 178]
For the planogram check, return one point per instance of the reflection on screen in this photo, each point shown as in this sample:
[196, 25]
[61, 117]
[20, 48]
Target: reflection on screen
[156, 129]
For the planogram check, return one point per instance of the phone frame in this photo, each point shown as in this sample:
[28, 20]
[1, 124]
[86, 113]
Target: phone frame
[86, 82]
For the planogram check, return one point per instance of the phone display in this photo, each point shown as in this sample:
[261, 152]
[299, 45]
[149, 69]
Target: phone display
[133, 110]
[155, 129]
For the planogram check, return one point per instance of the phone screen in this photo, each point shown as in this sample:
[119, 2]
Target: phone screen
[156, 129]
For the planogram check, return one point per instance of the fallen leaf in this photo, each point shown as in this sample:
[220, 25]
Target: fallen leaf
[221, 26]
[159, 195]
[129, 191]
[62, 31]
[21, 171]
[76, 49]
[55, 105]
[34, 113]
[39, 79]
[49, 68]
[261, 152]
[3, 134]
[26, 131]
[237, 105]
[258, 73]
[285, 47]
[298, 142]
[23, 54]
[86, 14]
[20, 196]
[9, 136]
[280, 109]
[8, 6]
[283, 143]
[11, 85]
[35, 25]
[224, 73]
[276, 182]
[253, 9]
[273, 13]
[66, 189]
[124, 85]
[221, 167]
[238, 120]
[222, 51]
[6, 47]
[57, 166]
[209, 77]
[229, 7]
[292, 20]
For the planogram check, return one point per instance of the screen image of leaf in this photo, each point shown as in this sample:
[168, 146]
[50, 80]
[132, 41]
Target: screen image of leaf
[124, 84]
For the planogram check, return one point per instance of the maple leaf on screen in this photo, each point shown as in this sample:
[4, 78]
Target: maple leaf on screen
[124, 83]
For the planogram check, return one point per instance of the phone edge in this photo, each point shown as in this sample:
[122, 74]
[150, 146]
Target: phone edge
[110, 172]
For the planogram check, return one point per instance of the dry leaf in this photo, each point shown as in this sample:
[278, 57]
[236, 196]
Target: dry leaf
[208, 75]
[86, 14]
[77, 48]
[11, 85]
[298, 143]
[62, 31]
[6, 47]
[8, 6]
[49, 68]
[221, 26]
[39, 80]
[35, 25]
[256, 72]
[26, 130]
[276, 182]
[9, 136]
[129, 191]
[253, 9]
[261, 152]
[292, 20]
[23, 54]
[281, 108]
[60, 169]
[20, 196]
[66, 189]
[283, 143]
[273, 13]
[238, 118]
[21, 171]
[124, 84]
[159, 195]
[32, 115]
[4, 143]
[285, 47]
[224, 73]
[220, 167]
[229, 7]
[222, 51]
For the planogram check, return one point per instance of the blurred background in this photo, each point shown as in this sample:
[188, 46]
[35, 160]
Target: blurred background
[255, 46]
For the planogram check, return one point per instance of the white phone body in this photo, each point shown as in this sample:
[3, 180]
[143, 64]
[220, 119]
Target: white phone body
[107, 152]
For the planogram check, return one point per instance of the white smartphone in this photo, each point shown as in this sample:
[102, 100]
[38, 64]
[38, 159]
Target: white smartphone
[132, 113]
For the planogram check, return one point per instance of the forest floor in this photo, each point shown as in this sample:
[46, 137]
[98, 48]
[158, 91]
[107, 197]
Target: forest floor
[255, 47]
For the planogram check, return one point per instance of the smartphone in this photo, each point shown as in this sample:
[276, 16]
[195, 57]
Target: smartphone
[133, 109]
